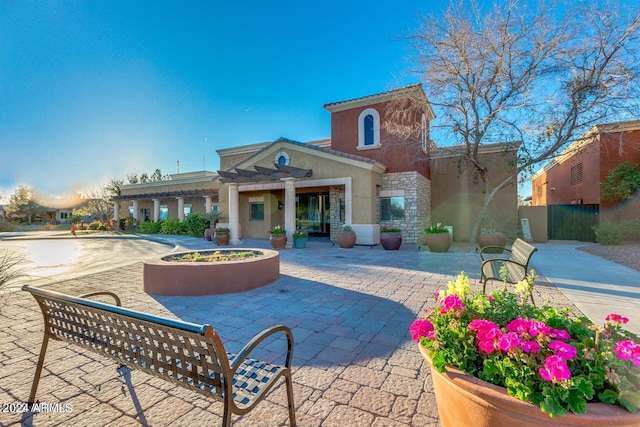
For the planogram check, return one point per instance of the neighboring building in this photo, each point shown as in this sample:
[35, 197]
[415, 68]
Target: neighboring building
[364, 176]
[574, 176]
[61, 209]
[182, 194]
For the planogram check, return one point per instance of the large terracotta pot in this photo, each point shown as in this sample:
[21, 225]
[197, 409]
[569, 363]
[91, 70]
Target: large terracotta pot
[221, 238]
[278, 241]
[491, 239]
[439, 242]
[469, 401]
[391, 241]
[346, 239]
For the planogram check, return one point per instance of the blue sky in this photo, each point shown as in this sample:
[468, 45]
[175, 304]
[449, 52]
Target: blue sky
[96, 90]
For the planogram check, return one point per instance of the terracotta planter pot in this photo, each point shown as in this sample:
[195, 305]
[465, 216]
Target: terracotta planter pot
[221, 239]
[469, 401]
[439, 242]
[278, 241]
[391, 241]
[300, 242]
[208, 232]
[491, 239]
[346, 239]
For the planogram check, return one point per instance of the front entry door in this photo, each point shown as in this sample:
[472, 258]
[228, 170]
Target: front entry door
[313, 213]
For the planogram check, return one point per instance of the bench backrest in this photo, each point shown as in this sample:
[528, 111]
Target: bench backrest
[521, 252]
[183, 353]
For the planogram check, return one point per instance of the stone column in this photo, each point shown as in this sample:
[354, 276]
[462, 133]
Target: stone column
[234, 213]
[181, 208]
[156, 210]
[289, 208]
[208, 204]
[135, 210]
[116, 213]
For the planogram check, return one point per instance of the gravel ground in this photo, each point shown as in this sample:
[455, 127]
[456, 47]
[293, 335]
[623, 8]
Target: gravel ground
[627, 253]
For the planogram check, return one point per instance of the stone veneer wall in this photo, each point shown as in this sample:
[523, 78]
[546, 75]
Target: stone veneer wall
[417, 202]
[335, 194]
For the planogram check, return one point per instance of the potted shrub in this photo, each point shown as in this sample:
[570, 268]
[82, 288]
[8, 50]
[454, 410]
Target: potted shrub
[346, 237]
[300, 239]
[496, 358]
[278, 237]
[221, 236]
[213, 218]
[438, 238]
[492, 241]
[390, 237]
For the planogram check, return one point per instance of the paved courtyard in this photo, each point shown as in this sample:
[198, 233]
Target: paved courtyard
[349, 310]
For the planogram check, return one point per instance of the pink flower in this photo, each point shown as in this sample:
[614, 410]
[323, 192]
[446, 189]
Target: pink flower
[451, 302]
[560, 334]
[509, 341]
[422, 328]
[563, 350]
[616, 318]
[530, 347]
[519, 325]
[555, 369]
[627, 350]
[539, 328]
[488, 346]
[487, 330]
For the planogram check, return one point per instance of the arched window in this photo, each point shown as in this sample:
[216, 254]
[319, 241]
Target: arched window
[369, 129]
[282, 158]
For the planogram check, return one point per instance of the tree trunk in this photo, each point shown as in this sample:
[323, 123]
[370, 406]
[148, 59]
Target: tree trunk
[487, 201]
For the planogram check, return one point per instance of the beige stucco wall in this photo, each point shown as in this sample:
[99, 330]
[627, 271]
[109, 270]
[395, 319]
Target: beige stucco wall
[537, 216]
[364, 179]
[457, 196]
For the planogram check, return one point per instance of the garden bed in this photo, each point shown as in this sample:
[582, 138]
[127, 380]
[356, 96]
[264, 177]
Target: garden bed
[181, 274]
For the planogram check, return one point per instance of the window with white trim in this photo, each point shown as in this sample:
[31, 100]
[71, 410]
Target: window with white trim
[369, 129]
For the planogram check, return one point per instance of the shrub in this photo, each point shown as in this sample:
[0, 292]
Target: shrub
[608, 233]
[631, 229]
[173, 226]
[149, 227]
[6, 225]
[196, 224]
[95, 225]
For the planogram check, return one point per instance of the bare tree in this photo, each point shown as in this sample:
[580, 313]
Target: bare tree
[537, 74]
[99, 203]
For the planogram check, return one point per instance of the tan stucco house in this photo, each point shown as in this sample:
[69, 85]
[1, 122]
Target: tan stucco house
[363, 175]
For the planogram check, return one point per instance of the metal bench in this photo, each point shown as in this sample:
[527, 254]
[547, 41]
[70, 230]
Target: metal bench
[186, 354]
[517, 265]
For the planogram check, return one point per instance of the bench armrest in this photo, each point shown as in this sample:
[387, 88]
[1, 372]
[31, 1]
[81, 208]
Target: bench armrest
[493, 247]
[246, 350]
[111, 294]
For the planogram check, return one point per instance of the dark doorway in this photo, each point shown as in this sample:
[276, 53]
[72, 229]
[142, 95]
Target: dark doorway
[313, 213]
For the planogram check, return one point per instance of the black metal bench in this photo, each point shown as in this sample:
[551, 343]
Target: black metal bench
[517, 265]
[186, 354]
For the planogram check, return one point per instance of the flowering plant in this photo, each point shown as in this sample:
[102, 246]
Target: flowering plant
[390, 229]
[222, 230]
[300, 234]
[543, 355]
[438, 228]
[277, 230]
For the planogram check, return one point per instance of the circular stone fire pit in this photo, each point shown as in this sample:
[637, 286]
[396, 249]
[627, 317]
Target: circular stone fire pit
[165, 276]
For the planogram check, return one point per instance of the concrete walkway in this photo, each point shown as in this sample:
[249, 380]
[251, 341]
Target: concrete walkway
[596, 286]
[349, 309]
